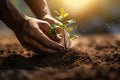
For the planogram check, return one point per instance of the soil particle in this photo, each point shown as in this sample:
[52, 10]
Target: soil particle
[97, 57]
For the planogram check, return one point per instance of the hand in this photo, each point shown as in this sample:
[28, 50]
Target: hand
[41, 11]
[34, 35]
[51, 21]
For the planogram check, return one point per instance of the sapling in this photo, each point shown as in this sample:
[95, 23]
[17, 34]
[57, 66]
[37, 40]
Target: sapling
[66, 27]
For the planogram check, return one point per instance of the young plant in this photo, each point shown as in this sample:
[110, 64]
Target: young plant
[66, 26]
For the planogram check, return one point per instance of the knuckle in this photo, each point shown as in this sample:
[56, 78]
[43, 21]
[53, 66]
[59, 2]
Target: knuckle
[27, 26]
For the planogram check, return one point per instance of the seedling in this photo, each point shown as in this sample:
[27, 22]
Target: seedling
[65, 26]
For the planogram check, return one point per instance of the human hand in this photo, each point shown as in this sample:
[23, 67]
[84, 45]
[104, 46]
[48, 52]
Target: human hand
[41, 11]
[34, 34]
[52, 21]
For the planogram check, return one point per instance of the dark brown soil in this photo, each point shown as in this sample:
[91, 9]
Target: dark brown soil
[94, 57]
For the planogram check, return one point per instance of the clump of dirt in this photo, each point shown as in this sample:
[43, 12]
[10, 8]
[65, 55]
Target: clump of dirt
[94, 58]
[63, 60]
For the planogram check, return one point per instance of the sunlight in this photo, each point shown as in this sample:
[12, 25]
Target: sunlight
[75, 6]
[82, 9]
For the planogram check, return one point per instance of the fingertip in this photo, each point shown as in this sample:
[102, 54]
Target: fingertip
[55, 37]
[61, 48]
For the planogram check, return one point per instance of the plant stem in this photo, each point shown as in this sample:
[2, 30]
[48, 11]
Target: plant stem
[65, 43]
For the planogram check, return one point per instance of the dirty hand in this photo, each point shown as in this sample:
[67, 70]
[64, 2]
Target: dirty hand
[34, 35]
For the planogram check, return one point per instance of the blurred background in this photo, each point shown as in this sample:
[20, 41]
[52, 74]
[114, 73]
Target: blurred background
[93, 16]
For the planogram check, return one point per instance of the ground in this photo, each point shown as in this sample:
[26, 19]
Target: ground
[93, 57]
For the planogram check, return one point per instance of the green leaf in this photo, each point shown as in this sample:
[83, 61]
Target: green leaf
[72, 21]
[53, 28]
[73, 36]
[61, 14]
[69, 29]
[63, 26]
[56, 12]
[62, 11]
[65, 15]
[60, 18]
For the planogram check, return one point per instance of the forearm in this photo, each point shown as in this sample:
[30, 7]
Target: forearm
[39, 8]
[9, 14]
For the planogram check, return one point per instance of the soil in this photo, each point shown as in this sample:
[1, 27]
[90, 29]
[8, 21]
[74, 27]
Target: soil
[93, 57]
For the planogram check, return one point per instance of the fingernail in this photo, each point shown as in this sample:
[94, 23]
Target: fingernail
[59, 36]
